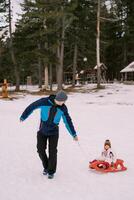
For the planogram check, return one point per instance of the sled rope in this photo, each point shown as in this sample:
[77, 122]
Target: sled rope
[82, 151]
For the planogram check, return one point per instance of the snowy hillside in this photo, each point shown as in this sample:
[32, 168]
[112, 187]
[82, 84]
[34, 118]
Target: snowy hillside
[107, 114]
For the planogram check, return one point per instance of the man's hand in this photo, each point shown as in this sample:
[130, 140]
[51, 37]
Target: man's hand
[76, 138]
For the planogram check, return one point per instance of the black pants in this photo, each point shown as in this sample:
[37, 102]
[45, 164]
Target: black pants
[49, 162]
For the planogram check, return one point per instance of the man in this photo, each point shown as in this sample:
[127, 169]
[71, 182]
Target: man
[52, 109]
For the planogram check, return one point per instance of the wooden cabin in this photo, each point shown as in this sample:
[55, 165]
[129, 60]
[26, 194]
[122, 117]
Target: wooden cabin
[127, 74]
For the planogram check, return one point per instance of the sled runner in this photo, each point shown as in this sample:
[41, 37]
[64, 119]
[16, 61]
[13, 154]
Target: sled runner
[103, 166]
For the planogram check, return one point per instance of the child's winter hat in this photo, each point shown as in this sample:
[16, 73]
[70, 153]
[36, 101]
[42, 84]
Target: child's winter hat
[61, 96]
[107, 142]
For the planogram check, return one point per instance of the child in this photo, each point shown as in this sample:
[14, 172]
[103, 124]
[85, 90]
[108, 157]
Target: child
[107, 162]
[107, 156]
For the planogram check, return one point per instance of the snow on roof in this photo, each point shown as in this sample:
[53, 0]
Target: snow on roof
[101, 65]
[129, 68]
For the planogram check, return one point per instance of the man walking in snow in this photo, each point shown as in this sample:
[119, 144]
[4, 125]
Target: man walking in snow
[52, 109]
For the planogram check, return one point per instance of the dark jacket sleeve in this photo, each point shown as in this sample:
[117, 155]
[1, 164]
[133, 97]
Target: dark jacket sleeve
[32, 107]
[68, 122]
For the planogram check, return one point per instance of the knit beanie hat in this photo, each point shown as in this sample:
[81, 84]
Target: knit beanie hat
[61, 96]
[107, 142]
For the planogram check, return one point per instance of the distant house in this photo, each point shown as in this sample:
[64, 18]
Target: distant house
[88, 75]
[127, 73]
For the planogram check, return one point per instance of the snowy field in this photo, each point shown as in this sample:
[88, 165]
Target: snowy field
[107, 114]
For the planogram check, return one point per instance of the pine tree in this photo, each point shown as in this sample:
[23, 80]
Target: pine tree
[81, 37]
[37, 27]
[119, 51]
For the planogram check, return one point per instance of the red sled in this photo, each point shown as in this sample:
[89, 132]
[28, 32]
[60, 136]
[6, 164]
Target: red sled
[103, 166]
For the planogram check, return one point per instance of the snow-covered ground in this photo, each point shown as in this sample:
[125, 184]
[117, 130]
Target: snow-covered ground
[107, 114]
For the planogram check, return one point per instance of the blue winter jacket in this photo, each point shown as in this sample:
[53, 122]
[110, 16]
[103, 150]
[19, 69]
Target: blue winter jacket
[50, 116]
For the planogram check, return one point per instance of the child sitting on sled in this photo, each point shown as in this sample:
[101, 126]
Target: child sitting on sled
[107, 162]
[107, 156]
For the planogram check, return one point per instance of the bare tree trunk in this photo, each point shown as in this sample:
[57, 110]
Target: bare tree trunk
[40, 72]
[40, 69]
[58, 67]
[46, 77]
[12, 51]
[75, 64]
[98, 46]
[59, 70]
[60, 53]
[51, 77]
[46, 71]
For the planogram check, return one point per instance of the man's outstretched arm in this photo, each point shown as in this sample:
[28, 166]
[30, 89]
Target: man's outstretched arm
[32, 107]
